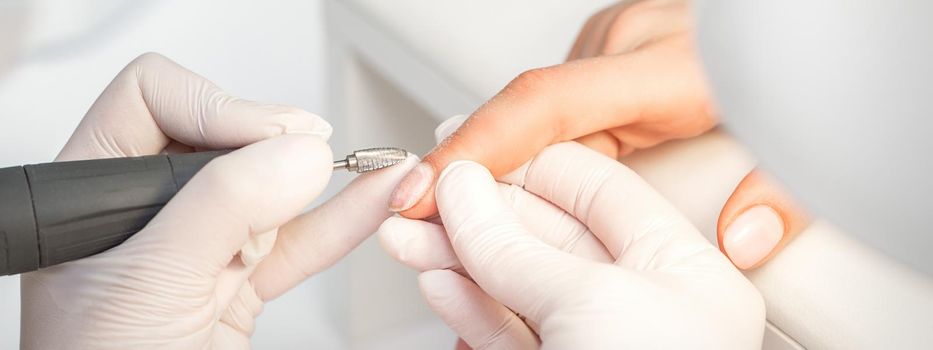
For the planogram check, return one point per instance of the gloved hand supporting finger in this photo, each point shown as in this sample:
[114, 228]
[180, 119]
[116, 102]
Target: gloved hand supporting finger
[424, 246]
[493, 245]
[629, 217]
[418, 244]
[480, 320]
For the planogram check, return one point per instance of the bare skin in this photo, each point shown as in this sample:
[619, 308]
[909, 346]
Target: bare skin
[632, 81]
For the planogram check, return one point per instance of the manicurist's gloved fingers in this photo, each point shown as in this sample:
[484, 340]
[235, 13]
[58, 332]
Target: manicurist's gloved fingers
[553, 225]
[494, 246]
[418, 244]
[249, 191]
[316, 240]
[616, 204]
[479, 320]
[154, 101]
[758, 220]
[424, 246]
[644, 98]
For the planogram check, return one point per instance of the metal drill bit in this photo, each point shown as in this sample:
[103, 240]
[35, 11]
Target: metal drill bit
[364, 161]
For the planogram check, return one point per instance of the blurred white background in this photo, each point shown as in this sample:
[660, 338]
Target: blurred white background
[270, 51]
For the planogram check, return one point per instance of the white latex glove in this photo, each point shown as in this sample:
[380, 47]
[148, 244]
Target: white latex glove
[657, 284]
[179, 283]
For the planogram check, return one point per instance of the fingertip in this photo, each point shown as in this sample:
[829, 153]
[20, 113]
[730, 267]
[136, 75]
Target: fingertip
[757, 221]
[418, 244]
[299, 121]
[391, 238]
[752, 236]
[412, 188]
[462, 171]
[297, 167]
[414, 196]
[425, 207]
[308, 155]
[243, 122]
[464, 177]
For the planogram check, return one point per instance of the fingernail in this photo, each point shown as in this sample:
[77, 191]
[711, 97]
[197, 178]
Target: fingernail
[319, 128]
[411, 188]
[752, 236]
[308, 124]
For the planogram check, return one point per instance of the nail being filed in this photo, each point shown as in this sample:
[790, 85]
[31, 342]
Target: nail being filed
[364, 161]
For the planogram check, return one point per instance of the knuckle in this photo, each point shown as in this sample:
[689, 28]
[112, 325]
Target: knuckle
[141, 71]
[531, 89]
[149, 59]
[591, 22]
[532, 80]
[624, 21]
[639, 9]
[628, 27]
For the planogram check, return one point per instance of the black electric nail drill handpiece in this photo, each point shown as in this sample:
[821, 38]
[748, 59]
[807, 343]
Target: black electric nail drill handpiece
[57, 212]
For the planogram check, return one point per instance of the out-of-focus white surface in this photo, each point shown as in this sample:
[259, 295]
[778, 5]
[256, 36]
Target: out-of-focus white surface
[56, 25]
[13, 15]
[481, 45]
[271, 51]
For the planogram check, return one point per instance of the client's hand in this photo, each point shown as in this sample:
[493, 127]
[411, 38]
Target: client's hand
[633, 80]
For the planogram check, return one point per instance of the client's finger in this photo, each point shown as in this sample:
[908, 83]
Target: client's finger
[758, 220]
[546, 106]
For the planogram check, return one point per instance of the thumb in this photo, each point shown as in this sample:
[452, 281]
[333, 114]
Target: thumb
[758, 220]
[514, 267]
[251, 190]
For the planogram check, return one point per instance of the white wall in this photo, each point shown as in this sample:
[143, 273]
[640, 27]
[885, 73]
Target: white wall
[262, 50]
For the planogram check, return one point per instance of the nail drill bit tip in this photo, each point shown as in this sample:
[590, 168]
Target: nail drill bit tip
[370, 159]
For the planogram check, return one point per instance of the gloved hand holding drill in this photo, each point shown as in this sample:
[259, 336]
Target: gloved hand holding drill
[232, 239]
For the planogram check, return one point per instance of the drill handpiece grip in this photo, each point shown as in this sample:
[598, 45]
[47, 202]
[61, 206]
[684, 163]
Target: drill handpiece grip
[57, 212]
